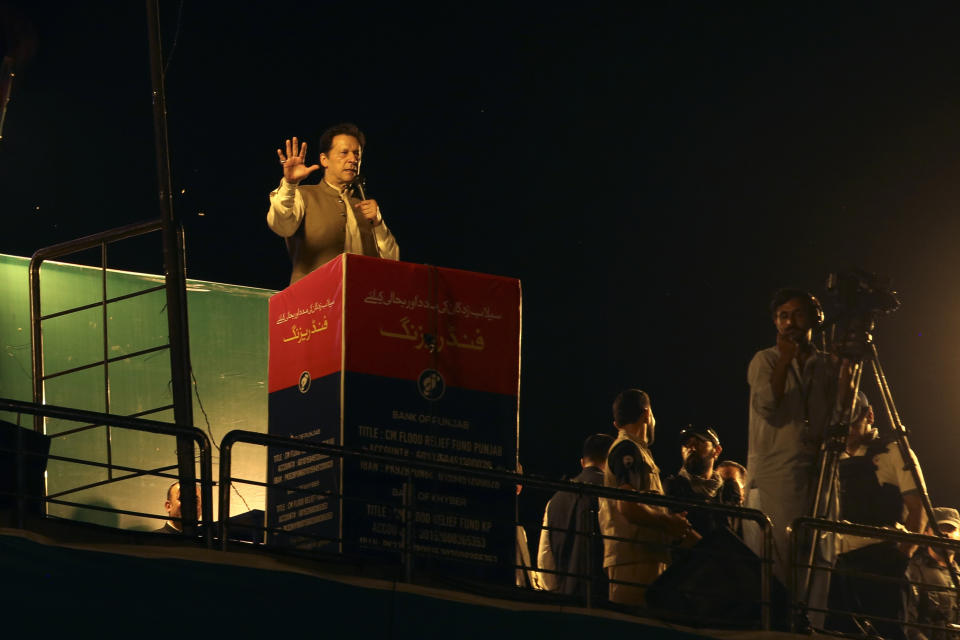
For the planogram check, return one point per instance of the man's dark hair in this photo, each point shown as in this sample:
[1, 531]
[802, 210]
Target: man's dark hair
[782, 296]
[342, 129]
[629, 405]
[595, 447]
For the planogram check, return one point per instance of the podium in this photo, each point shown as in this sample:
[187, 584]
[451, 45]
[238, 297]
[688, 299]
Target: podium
[406, 360]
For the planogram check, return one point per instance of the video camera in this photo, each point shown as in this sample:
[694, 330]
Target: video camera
[854, 301]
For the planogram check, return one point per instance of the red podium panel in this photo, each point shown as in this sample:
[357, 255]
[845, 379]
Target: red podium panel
[406, 360]
[306, 328]
[405, 318]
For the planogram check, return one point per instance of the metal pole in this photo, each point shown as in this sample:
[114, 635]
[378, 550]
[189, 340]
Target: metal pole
[828, 481]
[592, 524]
[906, 453]
[766, 569]
[104, 318]
[174, 265]
[36, 339]
[6, 87]
[20, 480]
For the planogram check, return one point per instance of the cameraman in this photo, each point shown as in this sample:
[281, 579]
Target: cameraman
[794, 390]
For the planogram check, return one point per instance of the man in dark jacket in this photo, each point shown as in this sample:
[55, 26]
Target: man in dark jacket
[172, 505]
[699, 480]
[570, 543]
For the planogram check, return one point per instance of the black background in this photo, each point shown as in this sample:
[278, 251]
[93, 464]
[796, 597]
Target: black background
[651, 176]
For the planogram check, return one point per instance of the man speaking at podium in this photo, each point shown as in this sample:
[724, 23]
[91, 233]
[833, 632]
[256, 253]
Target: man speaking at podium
[321, 221]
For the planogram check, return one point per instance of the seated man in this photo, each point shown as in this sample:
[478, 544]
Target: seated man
[172, 505]
[637, 536]
[698, 480]
[566, 543]
[931, 597]
[876, 488]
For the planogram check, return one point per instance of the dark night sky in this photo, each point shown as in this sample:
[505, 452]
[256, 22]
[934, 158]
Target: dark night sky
[651, 177]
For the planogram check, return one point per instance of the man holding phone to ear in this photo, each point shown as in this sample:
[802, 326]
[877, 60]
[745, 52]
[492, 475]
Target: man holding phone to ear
[321, 221]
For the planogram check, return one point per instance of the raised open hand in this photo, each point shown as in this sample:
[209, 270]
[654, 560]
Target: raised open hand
[294, 169]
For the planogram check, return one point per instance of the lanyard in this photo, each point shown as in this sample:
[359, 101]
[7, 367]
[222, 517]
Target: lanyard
[804, 392]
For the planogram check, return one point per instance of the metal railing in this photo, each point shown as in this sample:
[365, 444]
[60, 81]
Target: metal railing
[877, 536]
[410, 506]
[177, 346]
[40, 375]
[198, 437]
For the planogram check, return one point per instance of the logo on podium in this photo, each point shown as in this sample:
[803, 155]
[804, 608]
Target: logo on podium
[430, 384]
[304, 383]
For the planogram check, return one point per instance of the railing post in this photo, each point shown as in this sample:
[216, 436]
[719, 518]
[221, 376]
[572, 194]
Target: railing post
[206, 490]
[793, 575]
[591, 545]
[36, 340]
[19, 479]
[226, 455]
[766, 567]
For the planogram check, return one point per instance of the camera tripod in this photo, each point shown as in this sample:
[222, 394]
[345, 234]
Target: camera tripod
[861, 351]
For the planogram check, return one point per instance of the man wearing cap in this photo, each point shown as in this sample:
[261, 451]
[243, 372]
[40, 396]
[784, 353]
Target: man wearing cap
[566, 544]
[698, 480]
[931, 596]
[637, 536]
[876, 489]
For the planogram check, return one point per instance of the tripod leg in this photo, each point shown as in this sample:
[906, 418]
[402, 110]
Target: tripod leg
[826, 495]
[906, 453]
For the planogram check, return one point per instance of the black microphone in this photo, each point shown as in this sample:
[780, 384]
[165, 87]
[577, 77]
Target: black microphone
[359, 183]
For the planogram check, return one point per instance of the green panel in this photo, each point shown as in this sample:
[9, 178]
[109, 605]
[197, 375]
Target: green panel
[67, 286]
[72, 341]
[228, 350]
[143, 450]
[160, 416]
[16, 381]
[89, 445]
[134, 384]
[137, 323]
[122, 283]
[80, 390]
[228, 345]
